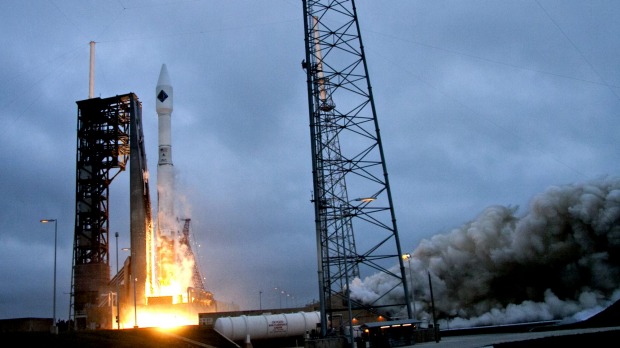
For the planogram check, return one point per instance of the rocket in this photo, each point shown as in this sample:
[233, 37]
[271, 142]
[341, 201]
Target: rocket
[170, 275]
[165, 169]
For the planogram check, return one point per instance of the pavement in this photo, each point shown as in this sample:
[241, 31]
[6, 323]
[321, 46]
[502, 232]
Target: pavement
[490, 340]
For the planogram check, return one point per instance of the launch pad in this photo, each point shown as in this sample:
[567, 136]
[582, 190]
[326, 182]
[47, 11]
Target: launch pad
[110, 134]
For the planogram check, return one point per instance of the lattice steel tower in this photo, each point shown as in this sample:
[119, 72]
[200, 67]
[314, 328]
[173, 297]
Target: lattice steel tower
[355, 236]
[109, 133]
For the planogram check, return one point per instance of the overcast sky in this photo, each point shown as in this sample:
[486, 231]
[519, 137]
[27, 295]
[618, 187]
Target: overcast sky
[479, 102]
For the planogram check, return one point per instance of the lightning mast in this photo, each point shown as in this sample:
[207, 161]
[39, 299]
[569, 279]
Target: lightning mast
[354, 236]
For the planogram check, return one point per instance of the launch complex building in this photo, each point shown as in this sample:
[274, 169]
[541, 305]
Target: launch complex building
[109, 135]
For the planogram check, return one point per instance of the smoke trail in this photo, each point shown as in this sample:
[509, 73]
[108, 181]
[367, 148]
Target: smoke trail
[560, 260]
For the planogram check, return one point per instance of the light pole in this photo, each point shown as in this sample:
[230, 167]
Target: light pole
[118, 309]
[54, 328]
[408, 258]
[260, 300]
[276, 290]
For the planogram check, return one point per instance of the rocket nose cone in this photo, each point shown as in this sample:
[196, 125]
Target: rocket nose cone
[163, 92]
[164, 78]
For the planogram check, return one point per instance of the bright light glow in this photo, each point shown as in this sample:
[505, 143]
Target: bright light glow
[365, 199]
[165, 318]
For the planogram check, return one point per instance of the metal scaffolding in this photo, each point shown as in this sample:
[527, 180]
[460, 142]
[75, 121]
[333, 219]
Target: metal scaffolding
[102, 153]
[355, 236]
[109, 134]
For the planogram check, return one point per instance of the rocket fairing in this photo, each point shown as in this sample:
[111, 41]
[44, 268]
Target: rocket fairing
[163, 105]
[165, 169]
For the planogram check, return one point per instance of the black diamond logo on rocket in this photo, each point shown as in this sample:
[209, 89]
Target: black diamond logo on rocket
[162, 96]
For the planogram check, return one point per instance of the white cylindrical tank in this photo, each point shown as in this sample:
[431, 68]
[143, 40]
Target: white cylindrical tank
[267, 325]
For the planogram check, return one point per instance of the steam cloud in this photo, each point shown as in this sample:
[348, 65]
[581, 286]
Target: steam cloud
[561, 260]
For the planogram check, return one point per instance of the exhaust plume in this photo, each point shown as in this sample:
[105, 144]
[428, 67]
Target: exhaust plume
[560, 260]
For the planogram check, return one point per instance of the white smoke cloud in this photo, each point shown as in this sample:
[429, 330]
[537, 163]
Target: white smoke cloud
[560, 260]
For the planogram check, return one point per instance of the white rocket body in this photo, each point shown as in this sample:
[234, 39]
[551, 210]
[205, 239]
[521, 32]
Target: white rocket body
[165, 169]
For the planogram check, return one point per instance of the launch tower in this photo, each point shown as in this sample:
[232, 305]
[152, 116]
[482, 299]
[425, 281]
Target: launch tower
[109, 133]
[355, 222]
